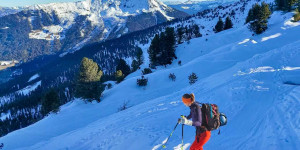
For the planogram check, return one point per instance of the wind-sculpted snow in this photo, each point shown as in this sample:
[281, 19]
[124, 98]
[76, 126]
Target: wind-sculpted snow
[260, 104]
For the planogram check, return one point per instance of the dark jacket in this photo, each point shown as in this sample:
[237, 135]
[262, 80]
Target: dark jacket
[196, 116]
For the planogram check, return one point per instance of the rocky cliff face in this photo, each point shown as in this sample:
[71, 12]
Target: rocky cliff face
[66, 27]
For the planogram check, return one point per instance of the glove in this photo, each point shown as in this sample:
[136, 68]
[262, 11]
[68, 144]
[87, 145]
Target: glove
[185, 121]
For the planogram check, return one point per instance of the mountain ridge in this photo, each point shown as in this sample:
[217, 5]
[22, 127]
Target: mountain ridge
[66, 27]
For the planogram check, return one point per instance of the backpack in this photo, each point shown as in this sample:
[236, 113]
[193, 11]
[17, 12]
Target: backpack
[211, 116]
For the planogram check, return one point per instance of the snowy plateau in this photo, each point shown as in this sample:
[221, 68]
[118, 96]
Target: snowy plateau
[253, 79]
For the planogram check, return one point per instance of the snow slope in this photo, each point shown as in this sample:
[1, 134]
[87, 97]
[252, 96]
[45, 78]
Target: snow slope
[243, 74]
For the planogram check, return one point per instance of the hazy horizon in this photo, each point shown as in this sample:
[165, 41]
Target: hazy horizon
[20, 3]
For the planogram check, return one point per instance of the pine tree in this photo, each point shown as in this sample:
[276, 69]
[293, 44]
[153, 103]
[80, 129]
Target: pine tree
[286, 5]
[109, 86]
[263, 18]
[232, 13]
[281, 4]
[119, 76]
[297, 15]
[162, 48]
[89, 71]
[153, 50]
[122, 65]
[142, 82]
[258, 17]
[134, 65]
[219, 26]
[50, 102]
[146, 71]
[193, 78]
[265, 11]
[196, 31]
[139, 55]
[179, 34]
[172, 76]
[228, 23]
[170, 45]
[291, 4]
[88, 84]
[162, 54]
[250, 16]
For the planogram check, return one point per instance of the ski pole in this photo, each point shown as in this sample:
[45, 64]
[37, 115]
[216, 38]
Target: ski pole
[182, 133]
[182, 138]
[164, 146]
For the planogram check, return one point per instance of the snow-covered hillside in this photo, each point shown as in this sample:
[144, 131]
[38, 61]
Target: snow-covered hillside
[254, 80]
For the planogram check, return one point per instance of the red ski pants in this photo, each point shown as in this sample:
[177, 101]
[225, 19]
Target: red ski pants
[200, 140]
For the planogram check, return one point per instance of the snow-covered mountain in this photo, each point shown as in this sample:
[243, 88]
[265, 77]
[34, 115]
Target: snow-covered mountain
[64, 27]
[253, 79]
[193, 7]
[7, 10]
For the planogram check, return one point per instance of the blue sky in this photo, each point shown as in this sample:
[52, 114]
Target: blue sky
[12, 3]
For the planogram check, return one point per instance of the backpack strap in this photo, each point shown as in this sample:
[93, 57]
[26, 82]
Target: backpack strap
[202, 116]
